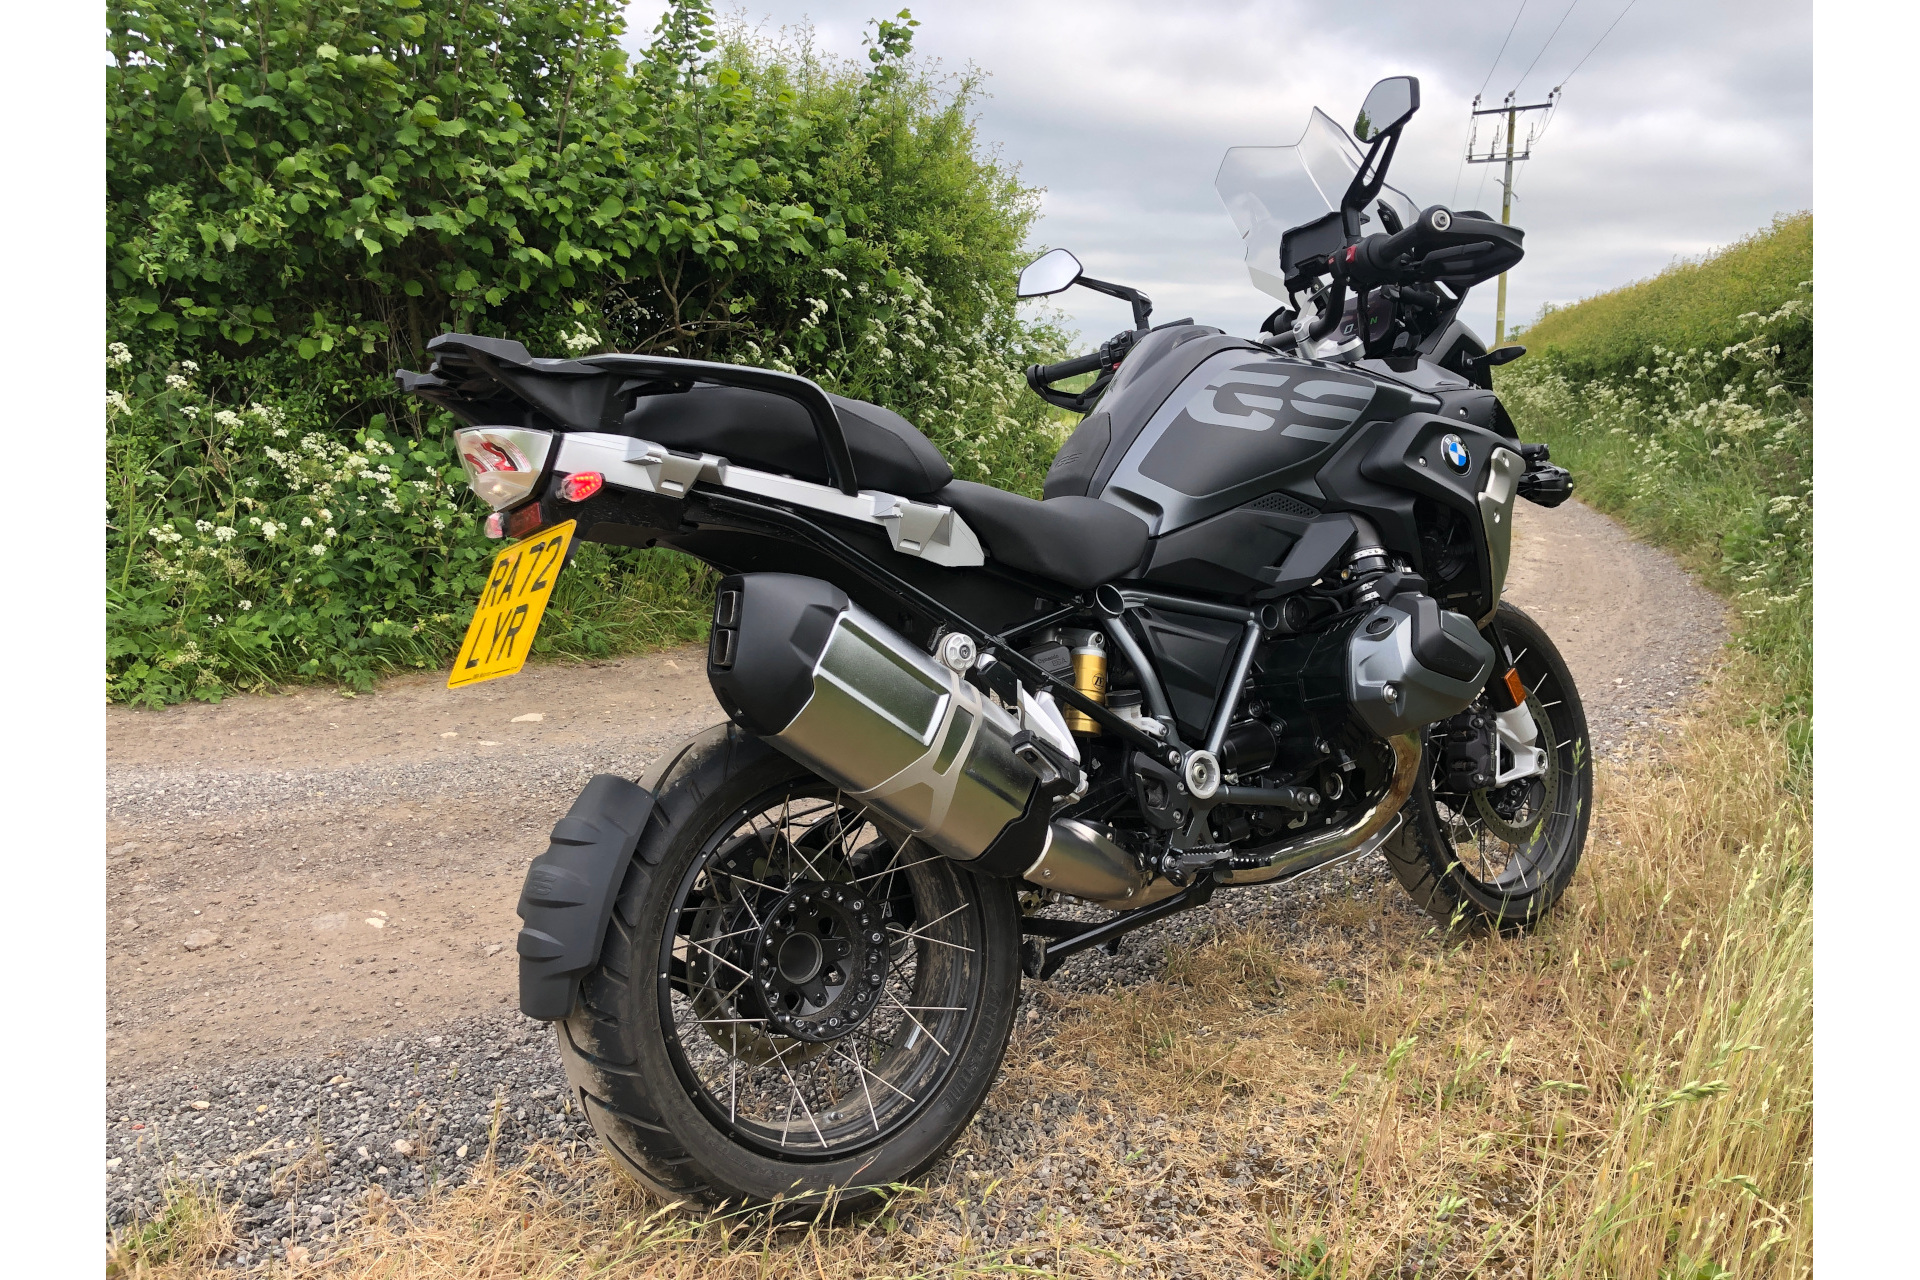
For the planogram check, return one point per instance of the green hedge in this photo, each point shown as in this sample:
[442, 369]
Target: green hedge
[1702, 305]
[299, 197]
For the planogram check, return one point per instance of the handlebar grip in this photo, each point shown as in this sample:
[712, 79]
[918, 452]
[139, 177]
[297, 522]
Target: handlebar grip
[1046, 374]
[1380, 251]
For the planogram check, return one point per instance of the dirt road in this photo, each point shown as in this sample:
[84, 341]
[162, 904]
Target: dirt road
[285, 873]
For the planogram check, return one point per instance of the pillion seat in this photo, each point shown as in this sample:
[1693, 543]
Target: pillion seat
[773, 432]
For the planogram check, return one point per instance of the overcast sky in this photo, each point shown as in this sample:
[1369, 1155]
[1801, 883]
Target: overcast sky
[1688, 127]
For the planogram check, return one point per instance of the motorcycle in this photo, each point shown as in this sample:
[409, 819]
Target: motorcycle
[1254, 626]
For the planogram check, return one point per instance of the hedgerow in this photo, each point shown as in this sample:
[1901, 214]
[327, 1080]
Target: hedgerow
[300, 197]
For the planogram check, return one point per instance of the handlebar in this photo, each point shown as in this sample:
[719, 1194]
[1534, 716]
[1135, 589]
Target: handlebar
[1378, 255]
[1046, 374]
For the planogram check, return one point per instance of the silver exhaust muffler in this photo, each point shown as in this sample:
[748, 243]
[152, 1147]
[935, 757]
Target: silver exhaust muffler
[793, 660]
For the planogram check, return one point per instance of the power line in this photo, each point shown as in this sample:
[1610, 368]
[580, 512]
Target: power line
[1503, 49]
[1596, 44]
[1543, 48]
[1461, 167]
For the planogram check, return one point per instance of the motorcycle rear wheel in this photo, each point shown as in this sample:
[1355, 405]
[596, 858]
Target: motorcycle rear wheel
[792, 1004]
[1499, 859]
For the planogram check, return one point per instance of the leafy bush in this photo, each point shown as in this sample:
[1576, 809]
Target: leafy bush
[299, 199]
[1699, 305]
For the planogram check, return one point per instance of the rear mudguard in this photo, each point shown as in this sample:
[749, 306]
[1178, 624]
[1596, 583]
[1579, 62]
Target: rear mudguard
[569, 891]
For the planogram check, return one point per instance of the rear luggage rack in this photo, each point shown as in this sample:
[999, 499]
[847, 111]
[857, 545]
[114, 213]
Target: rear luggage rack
[593, 394]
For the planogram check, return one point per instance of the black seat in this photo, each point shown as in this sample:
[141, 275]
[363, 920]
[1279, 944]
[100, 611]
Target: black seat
[1078, 542]
[773, 432]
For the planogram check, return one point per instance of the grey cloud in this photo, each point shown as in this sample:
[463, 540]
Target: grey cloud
[1690, 126]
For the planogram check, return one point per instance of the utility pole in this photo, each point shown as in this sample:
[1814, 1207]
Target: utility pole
[1512, 111]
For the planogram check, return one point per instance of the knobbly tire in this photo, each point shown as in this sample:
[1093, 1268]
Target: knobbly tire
[792, 1006]
[1498, 859]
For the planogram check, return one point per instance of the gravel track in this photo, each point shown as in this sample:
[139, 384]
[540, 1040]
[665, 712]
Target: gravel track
[305, 1022]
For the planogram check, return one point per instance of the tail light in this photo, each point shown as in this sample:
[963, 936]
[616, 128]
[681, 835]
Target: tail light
[503, 463]
[581, 485]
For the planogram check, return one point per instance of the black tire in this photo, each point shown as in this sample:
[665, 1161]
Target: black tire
[1499, 860]
[641, 1045]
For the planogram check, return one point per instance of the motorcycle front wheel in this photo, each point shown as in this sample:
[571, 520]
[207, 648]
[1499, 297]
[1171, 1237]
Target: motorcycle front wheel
[1499, 858]
[792, 1004]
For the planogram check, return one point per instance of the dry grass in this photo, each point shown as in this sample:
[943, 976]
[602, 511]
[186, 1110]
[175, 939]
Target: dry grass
[1625, 1093]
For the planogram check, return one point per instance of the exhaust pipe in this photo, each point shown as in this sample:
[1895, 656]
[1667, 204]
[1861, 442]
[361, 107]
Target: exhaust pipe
[1082, 861]
[793, 660]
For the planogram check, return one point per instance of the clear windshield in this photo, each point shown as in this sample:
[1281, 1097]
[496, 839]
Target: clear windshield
[1269, 190]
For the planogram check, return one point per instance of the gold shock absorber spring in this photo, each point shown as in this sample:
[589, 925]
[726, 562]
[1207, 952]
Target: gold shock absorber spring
[1089, 650]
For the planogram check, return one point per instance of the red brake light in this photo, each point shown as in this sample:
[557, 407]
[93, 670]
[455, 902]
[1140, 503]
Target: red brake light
[581, 485]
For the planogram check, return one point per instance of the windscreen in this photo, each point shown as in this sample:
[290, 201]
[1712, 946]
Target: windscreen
[1269, 190]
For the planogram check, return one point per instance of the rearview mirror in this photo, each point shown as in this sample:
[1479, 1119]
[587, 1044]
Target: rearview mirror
[1389, 104]
[1052, 271]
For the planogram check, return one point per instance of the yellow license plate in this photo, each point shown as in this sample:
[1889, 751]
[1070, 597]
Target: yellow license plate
[516, 595]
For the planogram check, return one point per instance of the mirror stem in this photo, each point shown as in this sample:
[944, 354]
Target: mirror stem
[1142, 304]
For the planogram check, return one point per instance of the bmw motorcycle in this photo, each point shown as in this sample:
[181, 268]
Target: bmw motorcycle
[1254, 626]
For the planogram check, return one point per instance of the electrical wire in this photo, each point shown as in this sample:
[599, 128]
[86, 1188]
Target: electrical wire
[1503, 48]
[1596, 44]
[1543, 48]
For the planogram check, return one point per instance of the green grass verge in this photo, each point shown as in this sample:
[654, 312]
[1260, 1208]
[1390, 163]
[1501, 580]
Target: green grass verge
[1703, 449]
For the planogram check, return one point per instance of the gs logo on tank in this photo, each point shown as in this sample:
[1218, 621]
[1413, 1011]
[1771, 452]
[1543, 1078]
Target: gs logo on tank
[1454, 450]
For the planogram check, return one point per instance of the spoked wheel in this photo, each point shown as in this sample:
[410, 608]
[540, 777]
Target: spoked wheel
[792, 1000]
[1501, 856]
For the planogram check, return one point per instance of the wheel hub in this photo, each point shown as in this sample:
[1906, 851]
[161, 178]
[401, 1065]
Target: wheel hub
[819, 961]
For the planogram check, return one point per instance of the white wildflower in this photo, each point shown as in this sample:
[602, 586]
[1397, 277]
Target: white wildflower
[246, 604]
[177, 383]
[117, 404]
[318, 548]
[118, 357]
[190, 366]
[227, 418]
[325, 514]
[269, 530]
[580, 340]
[306, 522]
[332, 532]
[225, 533]
[204, 526]
[190, 411]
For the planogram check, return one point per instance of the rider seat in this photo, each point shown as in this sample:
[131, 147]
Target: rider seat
[1078, 542]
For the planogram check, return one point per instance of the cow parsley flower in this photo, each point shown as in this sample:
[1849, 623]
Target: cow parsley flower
[177, 383]
[225, 533]
[118, 357]
[306, 522]
[318, 548]
[117, 404]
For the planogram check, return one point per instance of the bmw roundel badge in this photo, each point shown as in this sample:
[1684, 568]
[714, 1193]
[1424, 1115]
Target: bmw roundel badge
[1454, 449]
